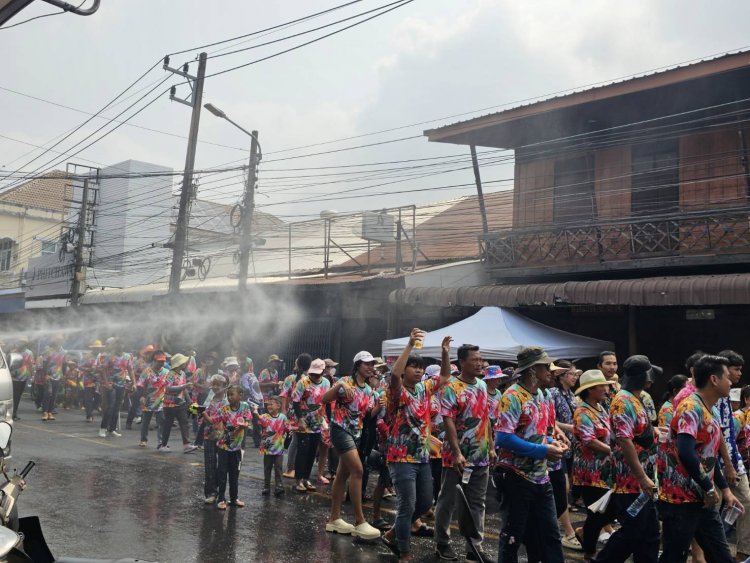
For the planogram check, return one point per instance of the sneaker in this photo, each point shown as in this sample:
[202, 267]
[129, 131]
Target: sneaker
[486, 558]
[116, 434]
[339, 526]
[366, 532]
[265, 492]
[45, 416]
[446, 553]
[289, 474]
[102, 433]
[209, 500]
[189, 448]
[571, 542]
[50, 417]
[137, 420]
[164, 449]
[142, 445]
[89, 419]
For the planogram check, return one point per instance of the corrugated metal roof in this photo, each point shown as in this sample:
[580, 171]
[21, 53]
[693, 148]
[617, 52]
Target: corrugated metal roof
[725, 289]
[538, 101]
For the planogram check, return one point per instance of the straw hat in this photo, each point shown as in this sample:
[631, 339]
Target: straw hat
[530, 357]
[591, 378]
[96, 345]
[178, 360]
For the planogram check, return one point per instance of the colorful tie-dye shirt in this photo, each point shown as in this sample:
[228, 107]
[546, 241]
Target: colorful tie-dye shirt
[273, 433]
[213, 405]
[648, 404]
[591, 468]
[466, 404]
[26, 369]
[742, 431]
[174, 379]
[493, 406]
[56, 364]
[309, 395]
[409, 425]
[531, 418]
[666, 412]
[119, 368]
[269, 376]
[348, 414]
[226, 420]
[90, 372]
[437, 427]
[693, 418]
[154, 388]
[630, 420]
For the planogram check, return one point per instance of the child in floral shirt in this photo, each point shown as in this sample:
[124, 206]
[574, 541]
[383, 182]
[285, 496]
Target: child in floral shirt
[274, 427]
[230, 421]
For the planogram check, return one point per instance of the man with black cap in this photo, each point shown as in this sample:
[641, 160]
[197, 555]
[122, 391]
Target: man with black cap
[525, 438]
[634, 456]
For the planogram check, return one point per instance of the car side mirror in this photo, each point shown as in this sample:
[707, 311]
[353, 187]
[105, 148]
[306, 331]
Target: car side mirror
[5, 431]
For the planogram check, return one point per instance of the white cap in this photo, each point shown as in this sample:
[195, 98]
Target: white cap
[364, 356]
[735, 394]
[317, 367]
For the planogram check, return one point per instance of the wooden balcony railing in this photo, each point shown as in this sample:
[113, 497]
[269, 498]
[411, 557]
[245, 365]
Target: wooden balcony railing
[707, 233]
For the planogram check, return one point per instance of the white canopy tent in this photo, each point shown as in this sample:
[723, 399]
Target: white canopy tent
[500, 334]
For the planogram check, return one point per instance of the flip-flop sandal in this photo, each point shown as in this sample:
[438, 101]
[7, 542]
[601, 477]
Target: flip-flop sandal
[300, 489]
[390, 545]
[222, 505]
[424, 531]
[310, 487]
[238, 504]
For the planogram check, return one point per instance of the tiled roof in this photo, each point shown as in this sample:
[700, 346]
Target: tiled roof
[51, 192]
[447, 232]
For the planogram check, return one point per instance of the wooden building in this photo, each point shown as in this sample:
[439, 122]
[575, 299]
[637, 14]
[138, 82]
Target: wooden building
[630, 206]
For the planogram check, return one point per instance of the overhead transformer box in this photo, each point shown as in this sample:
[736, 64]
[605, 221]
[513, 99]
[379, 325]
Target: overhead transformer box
[378, 227]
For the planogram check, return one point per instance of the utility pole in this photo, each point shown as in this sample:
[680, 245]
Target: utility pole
[246, 241]
[180, 234]
[75, 289]
[480, 194]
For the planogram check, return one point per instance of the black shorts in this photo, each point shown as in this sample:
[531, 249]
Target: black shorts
[341, 440]
[557, 479]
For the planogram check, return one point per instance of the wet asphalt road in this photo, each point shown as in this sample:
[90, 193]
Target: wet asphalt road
[106, 497]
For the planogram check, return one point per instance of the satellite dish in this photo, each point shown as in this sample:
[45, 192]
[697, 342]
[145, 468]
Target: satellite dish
[328, 214]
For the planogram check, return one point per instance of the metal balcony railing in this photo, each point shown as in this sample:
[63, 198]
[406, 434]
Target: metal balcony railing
[714, 232]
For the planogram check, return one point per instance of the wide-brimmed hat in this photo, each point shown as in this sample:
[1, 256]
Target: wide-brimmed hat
[317, 366]
[638, 365]
[380, 362]
[530, 357]
[273, 358]
[147, 349]
[96, 344]
[330, 363]
[592, 378]
[364, 356]
[493, 372]
[178, 360]
[230, 361]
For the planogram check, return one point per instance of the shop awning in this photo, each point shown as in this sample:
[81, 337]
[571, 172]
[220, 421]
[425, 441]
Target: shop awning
[725, 289]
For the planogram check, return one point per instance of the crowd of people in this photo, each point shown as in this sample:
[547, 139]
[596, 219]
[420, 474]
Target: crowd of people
[657, 485]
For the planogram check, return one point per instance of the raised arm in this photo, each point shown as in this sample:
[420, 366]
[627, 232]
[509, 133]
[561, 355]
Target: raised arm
[398, 368]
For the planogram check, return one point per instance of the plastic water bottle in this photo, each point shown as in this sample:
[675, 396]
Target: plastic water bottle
[638, 504]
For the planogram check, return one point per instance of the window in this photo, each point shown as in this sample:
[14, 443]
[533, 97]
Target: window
[6, 254]
[49, 247]
[656, 178]
[574, 190]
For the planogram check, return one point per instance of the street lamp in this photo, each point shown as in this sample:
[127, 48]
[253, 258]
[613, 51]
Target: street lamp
[249, 200]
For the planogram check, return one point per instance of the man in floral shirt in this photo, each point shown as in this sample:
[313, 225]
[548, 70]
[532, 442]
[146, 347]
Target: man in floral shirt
[691, 476]
[467, 445]
[22, 374]
[526, 441]
[634, 456]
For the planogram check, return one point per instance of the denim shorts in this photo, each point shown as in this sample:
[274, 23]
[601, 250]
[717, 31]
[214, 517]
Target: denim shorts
[341, 440]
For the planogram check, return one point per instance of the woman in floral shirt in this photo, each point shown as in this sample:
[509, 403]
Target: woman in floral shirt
[592, 471]
[353, 399]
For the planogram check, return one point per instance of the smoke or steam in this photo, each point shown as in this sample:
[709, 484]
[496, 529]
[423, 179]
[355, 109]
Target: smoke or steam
[258, 325]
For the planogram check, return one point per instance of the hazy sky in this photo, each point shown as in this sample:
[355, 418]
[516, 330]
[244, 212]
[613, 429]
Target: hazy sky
[425, 61]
